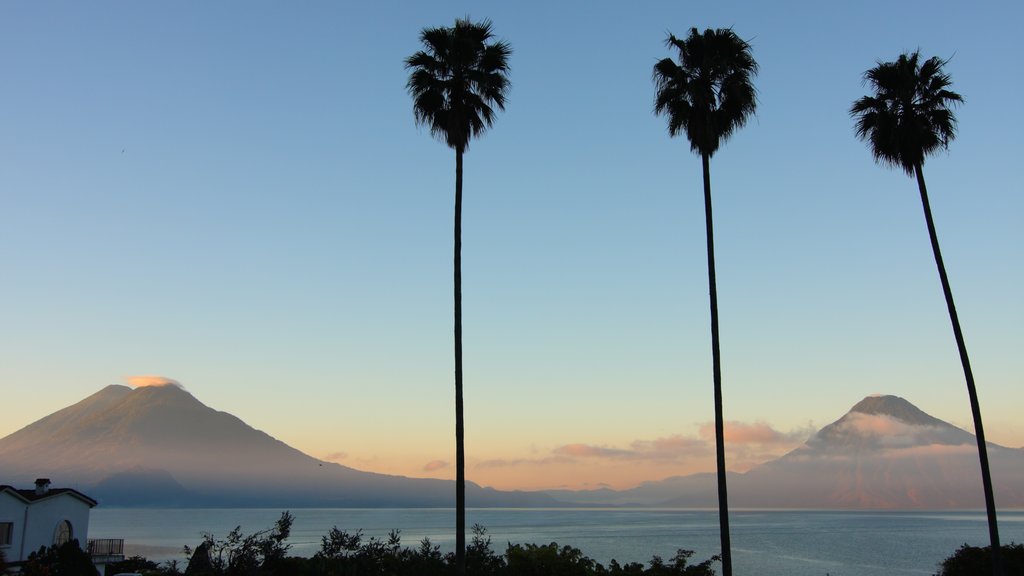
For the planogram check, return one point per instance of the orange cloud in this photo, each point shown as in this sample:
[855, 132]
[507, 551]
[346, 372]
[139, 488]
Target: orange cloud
[145, 381]
[434, 465]
[336, 456]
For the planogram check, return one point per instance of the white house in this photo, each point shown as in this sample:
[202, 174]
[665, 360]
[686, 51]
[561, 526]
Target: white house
[44, 516]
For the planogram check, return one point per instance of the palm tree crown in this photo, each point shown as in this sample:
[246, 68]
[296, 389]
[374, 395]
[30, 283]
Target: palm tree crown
[457, 81]
[909, 116]
[710, 93]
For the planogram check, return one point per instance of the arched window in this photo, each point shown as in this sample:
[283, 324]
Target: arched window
[63, 533]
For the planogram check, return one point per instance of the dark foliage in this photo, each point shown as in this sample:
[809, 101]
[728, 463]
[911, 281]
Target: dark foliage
[68, 559]
[132, 564]
[258, 554]
[710, 93]
[540, 560]
[141, 565]
[480, 557]
[352, 554]
[971, 561]
[910, 115]
[458, 80]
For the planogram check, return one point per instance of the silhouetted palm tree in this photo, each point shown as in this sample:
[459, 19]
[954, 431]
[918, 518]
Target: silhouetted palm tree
[707, 96]
[456, 82]
[909, 117]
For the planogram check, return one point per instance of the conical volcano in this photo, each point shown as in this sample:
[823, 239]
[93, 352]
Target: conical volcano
[886, 453]
[883, 453]
[159, 445]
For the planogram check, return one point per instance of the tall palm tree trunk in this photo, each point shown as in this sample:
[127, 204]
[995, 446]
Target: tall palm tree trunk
[460, 433]
[979, 430]
[716, 357]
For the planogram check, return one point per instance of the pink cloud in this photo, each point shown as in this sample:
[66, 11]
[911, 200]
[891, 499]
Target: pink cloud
[336, 456]
[669, 448]
[502, 463]
[589, 451]
[893, 433]
[970, 450]
[434, 465]
[878, 425]
[756, 433]
[672, 445]
[146, 381]
[510, 462]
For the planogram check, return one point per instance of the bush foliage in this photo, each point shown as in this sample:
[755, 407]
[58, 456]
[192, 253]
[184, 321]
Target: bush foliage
[972, 561]
[353, 554]
[68, 559]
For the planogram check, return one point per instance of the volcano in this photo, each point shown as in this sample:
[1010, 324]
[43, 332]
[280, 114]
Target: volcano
[884, 453]
[159, 445]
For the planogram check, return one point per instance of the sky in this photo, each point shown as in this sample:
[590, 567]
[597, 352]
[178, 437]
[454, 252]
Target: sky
[234, 195]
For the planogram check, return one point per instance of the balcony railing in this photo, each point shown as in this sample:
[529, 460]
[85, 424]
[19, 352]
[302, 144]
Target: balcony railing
[106, 547]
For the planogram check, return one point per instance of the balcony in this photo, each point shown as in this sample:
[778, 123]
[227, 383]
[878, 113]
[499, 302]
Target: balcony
[106, 550]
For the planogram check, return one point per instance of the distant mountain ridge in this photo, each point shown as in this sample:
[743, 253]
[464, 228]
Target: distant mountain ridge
[159, 445]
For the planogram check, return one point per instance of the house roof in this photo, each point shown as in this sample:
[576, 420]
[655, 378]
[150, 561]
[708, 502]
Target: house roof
[29, 496]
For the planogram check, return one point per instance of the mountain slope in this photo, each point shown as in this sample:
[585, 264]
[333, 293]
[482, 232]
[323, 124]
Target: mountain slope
[160, 445]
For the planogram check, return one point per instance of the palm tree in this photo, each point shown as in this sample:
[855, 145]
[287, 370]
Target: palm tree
[456, 82]
[909, 117]
[707, 96]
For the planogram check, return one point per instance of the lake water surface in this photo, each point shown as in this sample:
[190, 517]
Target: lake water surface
[765, 543]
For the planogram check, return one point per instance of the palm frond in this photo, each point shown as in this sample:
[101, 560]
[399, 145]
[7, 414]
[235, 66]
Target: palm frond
[910, 114]
[458, 80]
[710, 93]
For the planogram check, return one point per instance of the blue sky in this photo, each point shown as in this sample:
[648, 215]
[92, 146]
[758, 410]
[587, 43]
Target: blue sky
[235, 195]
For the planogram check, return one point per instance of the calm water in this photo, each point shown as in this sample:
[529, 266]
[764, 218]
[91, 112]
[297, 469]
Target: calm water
[765, 543]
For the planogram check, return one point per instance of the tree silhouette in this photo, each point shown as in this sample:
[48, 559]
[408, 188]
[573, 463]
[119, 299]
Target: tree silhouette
[456, 82]
[708, 95]
[909, 117]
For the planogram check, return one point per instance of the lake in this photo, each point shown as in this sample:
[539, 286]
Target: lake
[766, 543]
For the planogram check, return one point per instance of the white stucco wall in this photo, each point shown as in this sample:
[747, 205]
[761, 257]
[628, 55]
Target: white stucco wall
[40, 525]
[12, 509]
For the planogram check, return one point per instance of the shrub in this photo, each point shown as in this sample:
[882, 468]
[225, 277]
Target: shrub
[257, 554]
[132, 564]
[971, 561]
[352, 554]
[549, 560]
[68, 559]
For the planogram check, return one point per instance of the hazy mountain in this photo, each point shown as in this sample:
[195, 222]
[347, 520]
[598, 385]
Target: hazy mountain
[886, 453]
[160, 445]
[883, 453]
